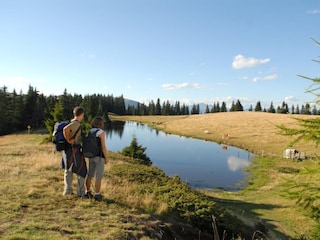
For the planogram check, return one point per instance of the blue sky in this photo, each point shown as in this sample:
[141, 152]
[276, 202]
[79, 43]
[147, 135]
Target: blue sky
[202, 51]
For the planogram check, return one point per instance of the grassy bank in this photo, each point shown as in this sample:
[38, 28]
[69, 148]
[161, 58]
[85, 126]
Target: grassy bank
[140, 201]
[281, 193]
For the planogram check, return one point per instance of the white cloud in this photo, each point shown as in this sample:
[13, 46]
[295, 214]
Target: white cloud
[289, 99]
[173, 86]
[265, 78]
[240, 61]
[314, 11]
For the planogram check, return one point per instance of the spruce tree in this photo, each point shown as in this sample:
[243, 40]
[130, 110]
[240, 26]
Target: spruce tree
[224, 107]
[309, 128]
[271, 108]
[137, 152]
[258, 107]
[238, 106]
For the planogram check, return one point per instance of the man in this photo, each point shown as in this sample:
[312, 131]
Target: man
[72, 134]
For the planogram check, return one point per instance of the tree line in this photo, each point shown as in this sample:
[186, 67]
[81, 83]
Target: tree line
[35, 110]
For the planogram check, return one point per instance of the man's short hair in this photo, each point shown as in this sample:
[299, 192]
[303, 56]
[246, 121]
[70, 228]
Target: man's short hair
[77, 111]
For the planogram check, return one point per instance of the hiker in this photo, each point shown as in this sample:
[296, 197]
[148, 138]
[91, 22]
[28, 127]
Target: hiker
[72, 156]
[96, 163]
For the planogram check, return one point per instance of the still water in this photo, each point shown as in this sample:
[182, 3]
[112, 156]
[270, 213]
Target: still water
[200, 163]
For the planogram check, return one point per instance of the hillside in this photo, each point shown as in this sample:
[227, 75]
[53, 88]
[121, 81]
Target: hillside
[140, 201]
[281, 193]
[252, 131]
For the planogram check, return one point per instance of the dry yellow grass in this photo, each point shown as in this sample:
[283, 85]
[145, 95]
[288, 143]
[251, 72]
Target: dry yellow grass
[29, 170]
[252, 131]
[32, 205]
[257, 133]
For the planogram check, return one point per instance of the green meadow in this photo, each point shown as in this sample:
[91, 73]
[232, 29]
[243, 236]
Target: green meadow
[141, 202]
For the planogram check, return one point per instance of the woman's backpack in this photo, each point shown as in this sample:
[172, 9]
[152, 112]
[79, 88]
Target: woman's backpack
[91, 145]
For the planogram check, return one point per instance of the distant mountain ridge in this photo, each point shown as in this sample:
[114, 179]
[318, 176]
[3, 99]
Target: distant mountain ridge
[129, 102]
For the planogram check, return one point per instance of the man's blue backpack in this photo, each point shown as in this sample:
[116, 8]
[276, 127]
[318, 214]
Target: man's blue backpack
[58, 139]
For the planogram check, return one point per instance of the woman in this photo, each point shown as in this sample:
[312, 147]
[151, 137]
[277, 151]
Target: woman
[96, 164]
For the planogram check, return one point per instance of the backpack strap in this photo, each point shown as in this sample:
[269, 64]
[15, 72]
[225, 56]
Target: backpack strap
[76, 132]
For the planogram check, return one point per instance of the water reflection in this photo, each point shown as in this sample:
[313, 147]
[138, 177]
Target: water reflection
[236, 163]
[201, 163]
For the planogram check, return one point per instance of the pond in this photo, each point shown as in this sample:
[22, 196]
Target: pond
[202, 164]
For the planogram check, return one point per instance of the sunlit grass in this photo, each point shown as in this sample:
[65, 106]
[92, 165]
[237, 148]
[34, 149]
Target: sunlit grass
[141, 202]
[252, 131]
[267, 197]
[32, 205]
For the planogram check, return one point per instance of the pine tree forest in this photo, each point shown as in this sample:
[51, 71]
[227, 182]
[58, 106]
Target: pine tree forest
[33, 110]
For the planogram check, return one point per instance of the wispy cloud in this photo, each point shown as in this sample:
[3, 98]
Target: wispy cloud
[173, 86]
[240, 61]
[290, 99]
[314, 11]
[265, 78]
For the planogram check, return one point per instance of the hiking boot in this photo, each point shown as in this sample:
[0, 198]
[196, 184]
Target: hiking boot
[98, 197]
[88, 195]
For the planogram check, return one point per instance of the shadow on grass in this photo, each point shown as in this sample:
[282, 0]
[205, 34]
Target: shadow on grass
[247, 213]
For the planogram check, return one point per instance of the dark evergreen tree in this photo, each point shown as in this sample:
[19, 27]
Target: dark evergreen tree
[238, 106]
[213, 108]
[232, 108]
[283, 109]
[152, 108]
[4, 118]
[185, 110]
[303, 110]
[119, 106]
[307, 111]
[137, 152]
[271, 108]
[158, 108]
[218, 107]
[15, 111]
[177, 109]
[30, 110]
[195, 109]
[223, 107]
[297, 111]
[207, 109]
[258, 107]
